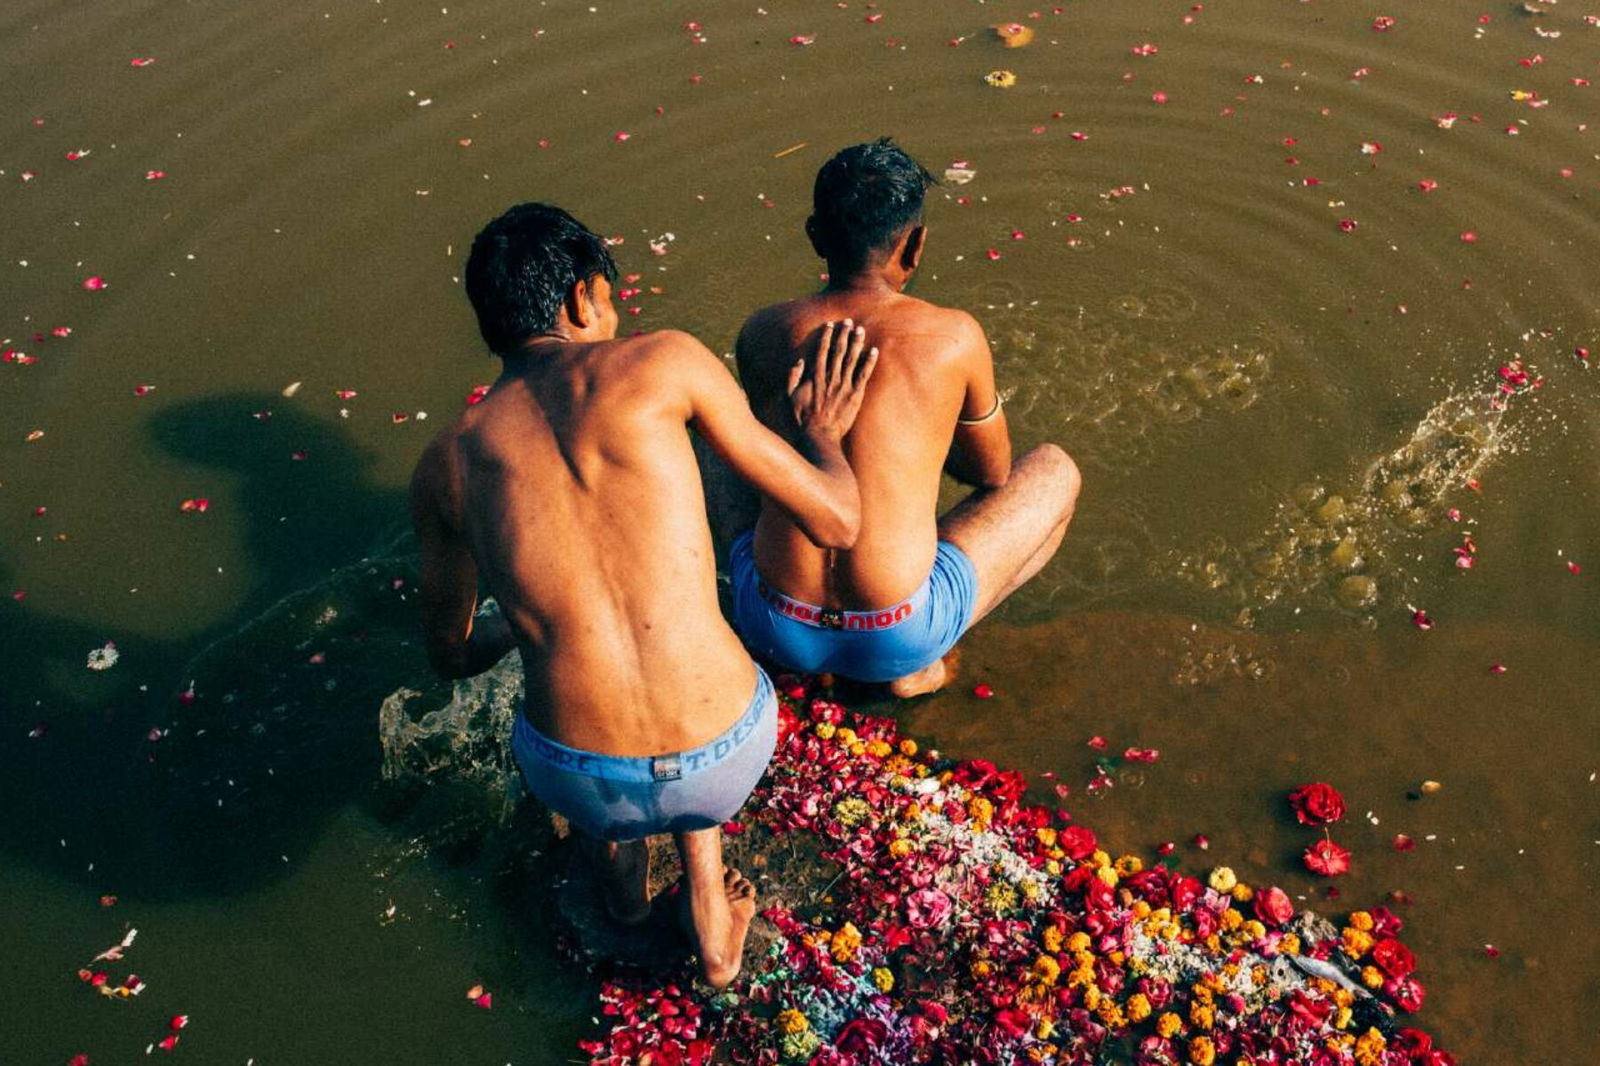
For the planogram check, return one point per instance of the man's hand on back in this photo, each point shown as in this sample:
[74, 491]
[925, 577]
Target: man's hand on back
[827, 395]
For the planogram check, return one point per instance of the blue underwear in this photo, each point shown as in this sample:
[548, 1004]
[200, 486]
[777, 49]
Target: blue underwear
[877, 645]
[619, 798]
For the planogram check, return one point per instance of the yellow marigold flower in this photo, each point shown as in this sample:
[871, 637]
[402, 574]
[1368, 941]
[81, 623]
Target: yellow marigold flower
[858, 749]
[825, 730]
[981, 968]
[1202, 1052]
[1053, 939]
[1223, 879]
[1128, 865]
[1045, 1029]
[1030, 890]
[912, 812]
[1162, 915]
[1214, 942]
[790, 1022]
[1000, 79]
[1100, 858]
[1356, 943]
[900, 848]
[1343, 997]
[1231, 969]
[1231, 919]
[1289, 944]
[1091, 997]
[878, 748]
[908, 747]
[945, 777]
[845, 735]
[980, 809]
[852, 811]
[1362, 920]
[1342, 1019]
[1371, 976]
[1046, 836]
[1254, 929]
[1107, 875]
[1243, 893]
[1168, 1025]
[1141, 909]
[1111, 1015]
[1078, 941]
[882, 979]
[1138, 1007]
[1053, 868]
[1211, 982]
[1258, 974]
[1202, 1015]
[845, 942]
[1000, 896]
[1117, 957]
[1082, 977]
[1045, 970]
[922, 771]
[1370, 1047]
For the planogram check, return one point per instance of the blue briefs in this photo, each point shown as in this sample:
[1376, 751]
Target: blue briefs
[619, 798]
[878, 645]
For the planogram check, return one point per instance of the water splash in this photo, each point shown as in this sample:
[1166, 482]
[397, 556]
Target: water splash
[1351, 549]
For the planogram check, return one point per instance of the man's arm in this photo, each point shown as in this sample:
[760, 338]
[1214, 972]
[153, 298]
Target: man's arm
[459, 644]
[814, 485]
[980, 451]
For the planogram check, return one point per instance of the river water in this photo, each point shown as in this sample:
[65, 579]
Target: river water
[1302, 286]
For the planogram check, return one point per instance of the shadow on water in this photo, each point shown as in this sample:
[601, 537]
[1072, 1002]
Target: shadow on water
[279, 739]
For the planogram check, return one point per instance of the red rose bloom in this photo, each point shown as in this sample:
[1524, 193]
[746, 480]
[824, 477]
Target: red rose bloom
[1406, 992]
[1317, 804]
[1327, 859]
[861, 1036]
[1273, 906]
[1393, 958]
[1076, 841]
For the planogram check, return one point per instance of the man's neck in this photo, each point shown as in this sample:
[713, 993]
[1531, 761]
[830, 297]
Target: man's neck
[868, 281]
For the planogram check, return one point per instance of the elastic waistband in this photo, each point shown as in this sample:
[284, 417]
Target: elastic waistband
[649, 768]
[832, 617]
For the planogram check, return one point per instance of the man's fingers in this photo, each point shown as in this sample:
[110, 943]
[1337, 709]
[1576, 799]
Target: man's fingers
[819, 363]
[841, 345]
[865, 367]
[796, 373]
[852, 358]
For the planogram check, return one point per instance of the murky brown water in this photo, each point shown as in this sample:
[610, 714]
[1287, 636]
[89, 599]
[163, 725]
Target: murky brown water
[1276, 416]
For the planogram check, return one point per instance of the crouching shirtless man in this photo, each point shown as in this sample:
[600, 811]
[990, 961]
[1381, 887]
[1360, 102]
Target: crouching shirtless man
[889, 608]
[572, 491]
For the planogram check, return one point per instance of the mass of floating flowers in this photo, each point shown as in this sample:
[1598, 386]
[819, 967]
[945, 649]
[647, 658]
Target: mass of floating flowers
[968, 927]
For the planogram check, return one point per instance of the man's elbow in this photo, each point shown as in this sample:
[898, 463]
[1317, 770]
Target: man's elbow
[838, 529]
[995, 477]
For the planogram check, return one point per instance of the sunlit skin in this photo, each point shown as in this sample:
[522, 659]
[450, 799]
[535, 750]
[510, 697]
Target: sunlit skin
[935, 367]
[572, 493]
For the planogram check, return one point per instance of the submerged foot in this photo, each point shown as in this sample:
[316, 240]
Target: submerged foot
[624, 871]
[930, 678]
[717, 924]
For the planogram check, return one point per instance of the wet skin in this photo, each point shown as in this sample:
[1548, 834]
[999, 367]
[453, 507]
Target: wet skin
[572, 492]
[935, 370]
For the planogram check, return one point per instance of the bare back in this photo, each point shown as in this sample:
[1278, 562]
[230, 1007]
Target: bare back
[933, 363]
[575, 488]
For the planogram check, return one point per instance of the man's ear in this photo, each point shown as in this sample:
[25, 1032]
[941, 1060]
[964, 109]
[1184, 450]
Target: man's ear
[816, 240]
[911, 254]
[579, 305]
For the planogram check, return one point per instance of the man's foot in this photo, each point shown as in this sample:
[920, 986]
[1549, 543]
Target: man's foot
[930, 678]
[624, 872]
[717, 924]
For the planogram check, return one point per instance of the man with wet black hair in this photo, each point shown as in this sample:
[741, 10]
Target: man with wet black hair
[890, 607]
[572, 492]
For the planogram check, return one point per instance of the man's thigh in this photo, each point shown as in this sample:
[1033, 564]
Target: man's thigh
[1001, 530]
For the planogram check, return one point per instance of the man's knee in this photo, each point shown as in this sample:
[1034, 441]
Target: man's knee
[1056, 472]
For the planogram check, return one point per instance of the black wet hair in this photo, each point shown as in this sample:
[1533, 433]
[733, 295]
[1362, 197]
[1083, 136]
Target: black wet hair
[865, 197]
[522, 266]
